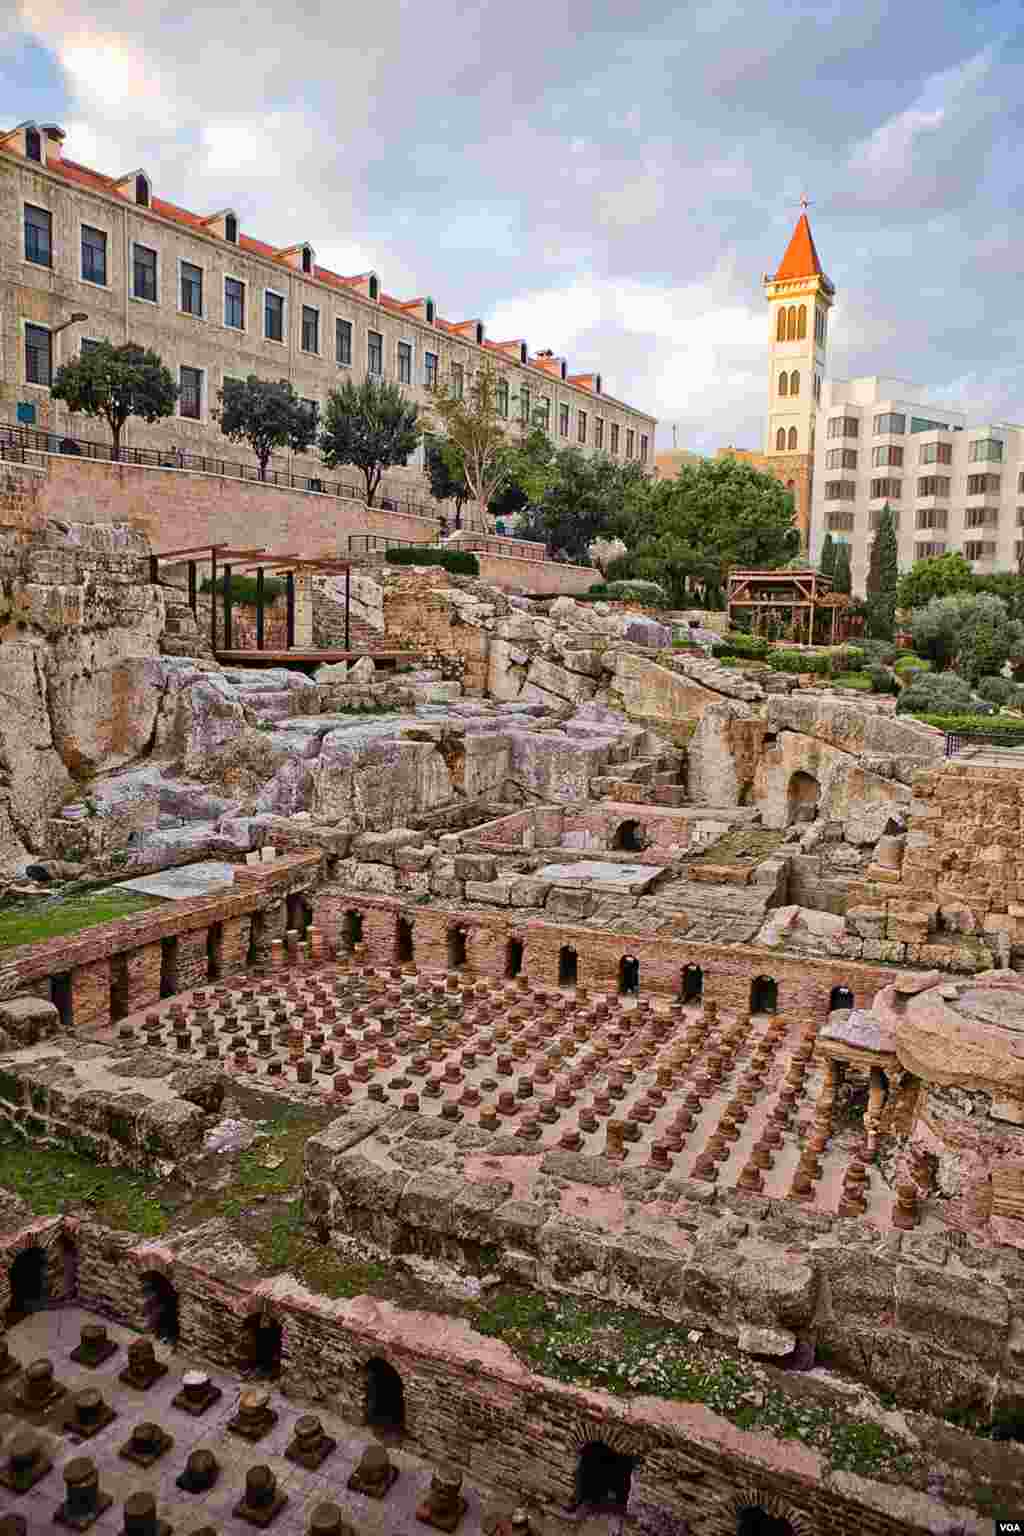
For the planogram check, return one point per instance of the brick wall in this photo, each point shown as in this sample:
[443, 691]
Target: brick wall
[417, 619]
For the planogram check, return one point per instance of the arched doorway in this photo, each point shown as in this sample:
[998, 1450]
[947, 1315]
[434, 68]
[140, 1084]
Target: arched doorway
[297, 909]
[261, 1345]
[404, 948]
[160, 1306]
[514, 958]
[568, 966]
[628, 837]
[764, 995]
[804, 794]
[840, 997]
[692, 988]
[352, 929]
[603, 1476]
[456, 948]
[385, 1397]
[754, 1521]
[629, 975]
[28, 1280]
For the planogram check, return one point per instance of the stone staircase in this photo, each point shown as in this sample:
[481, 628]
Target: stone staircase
[652, 780]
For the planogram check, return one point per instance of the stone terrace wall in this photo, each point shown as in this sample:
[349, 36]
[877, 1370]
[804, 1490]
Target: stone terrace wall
[469, 1402]
[417, 619]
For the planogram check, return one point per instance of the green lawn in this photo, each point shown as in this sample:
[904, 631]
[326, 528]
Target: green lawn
[56, 919]
[53, 1180]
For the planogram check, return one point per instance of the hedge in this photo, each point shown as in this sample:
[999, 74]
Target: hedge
[749, 647]
[460, 562]
[243, 589]
[990, 724]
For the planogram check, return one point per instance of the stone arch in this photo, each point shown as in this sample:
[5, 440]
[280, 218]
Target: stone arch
[405, 947]
[568, 966]
[629, 975]
[840, 997]
[456, 948]
[617, 1439]
[29, 1278]
[628, 837]
[352, 929]
[385, 1396]
[603, 1476]
[764, 995]
[261, 1344]
[802, 798]
[513, 958]
[691, 986]
[160, 1306]
[754, 1511]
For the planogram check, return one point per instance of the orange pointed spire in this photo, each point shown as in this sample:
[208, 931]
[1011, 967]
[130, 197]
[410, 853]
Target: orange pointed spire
[801, 258]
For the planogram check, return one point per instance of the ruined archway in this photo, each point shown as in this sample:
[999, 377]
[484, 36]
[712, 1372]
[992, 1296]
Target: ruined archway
[568, 966]
[405, 950]
[29, 1283]
[160, 1306]
[261, 1345]
[352, 930]
[802, 797]
[385, 1396]
[756, 1521]
[603, 1476]
[629, 975]
[692, 985]
[628, 837]
[840, 997]
[764, 995]
[456, 948]
[513, 958]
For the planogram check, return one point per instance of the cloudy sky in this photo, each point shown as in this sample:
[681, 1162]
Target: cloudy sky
[607, 180]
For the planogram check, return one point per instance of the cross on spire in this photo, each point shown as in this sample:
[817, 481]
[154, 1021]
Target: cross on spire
[805, 201]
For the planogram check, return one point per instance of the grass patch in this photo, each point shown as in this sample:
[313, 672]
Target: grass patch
[55, 919]
[53, 1181]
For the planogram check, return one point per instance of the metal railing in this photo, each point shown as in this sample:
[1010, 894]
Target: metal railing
[35, 439]
[956, 741]
[369, 543]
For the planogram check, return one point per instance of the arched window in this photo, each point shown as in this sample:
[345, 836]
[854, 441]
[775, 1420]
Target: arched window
[33, 144]
[783, 383]
[385, 1396]
[780, 329]
[430, 311]
[374, 289]
[231, 229]
[801, 322]
[142, 191]
[794, 382]
[629, 975]
[792, 437]
[479, 333]
[307, 259]
[802, 798]
[791, 323]
[780, 438]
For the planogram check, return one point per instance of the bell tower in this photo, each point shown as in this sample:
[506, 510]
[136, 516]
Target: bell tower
[799, 299]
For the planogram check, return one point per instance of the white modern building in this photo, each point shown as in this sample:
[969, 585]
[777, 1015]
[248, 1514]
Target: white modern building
[950, 485]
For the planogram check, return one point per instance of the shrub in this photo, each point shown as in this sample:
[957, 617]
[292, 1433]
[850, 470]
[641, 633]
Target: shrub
[998, 690]
[858, 680]
[878, 653]
[882, 680]
[635, 591]
[994, 725]
[818, 662]
[735, 643]
[936, 693]
[460, 562]
[911, 663]
[243, 589]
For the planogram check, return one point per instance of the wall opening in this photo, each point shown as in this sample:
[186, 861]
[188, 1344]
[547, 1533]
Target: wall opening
[60, 997]
[28, 1281]
[693, 984]
[404, 948]
[514, 958]
[118, 987]
[456, 948]
[628, 838]
[169, 966]
[214, 951]
[256, 932]
[298, 913]
[568, 966]
[629, 975]
[160, 1306]
[754, 1521]
[62, 1279]
[803, 796]
[840, 997]
[352, 929]
[385, 1397]
[261, 1345]
[764, 995]
[603, 1476]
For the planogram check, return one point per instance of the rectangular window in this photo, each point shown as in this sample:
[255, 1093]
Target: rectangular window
[191, 398]
[839, 522]
[544, 409]
[630, 440]
[928, 551]
[310, 329]
[38, 236]
[88, 344]
[581, 426]
[841, 458]
[38, 355]
[985, 450]
[599, 432]
[890, 421]
[501, 397]
[843, 426]
[840, 490]
[889, 454]
[524, 403]
[404, 362]
[94, 255]
[234, 303]
[273, 316]
[144, 273]
[977, 549]
[374, 352]
[615, 437]
[936, 453]
[933, 485]
[191, 289]
[983, 485]
[563, 421]
[893, 489]
[430, 369]
[931, 517]
[981, 517]
[643, 449]
[343, 343]
[458, 381]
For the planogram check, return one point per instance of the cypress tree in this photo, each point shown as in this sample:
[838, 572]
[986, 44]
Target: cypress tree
[842, 577]
[888, 557]
[827, 563]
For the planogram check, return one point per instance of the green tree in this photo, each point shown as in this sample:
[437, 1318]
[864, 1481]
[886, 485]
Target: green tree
[446, 474]
[266, 415]
[585, 498]
[936, 576]
[827, 563]
[472, 413]
[531, 471]
[842, 576]
[116, 383]
[883, 578]
[371, 425]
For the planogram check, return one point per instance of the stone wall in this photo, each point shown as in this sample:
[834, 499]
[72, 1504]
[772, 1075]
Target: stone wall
[417, 618]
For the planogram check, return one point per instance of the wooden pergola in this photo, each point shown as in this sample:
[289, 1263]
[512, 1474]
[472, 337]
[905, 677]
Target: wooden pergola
[802, 592]
[259, 560]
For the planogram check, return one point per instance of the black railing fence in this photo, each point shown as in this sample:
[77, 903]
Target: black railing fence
[956, 741]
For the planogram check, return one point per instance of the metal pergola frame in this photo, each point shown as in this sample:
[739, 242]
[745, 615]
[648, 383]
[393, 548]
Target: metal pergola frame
[261, 560]
[802, 592]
